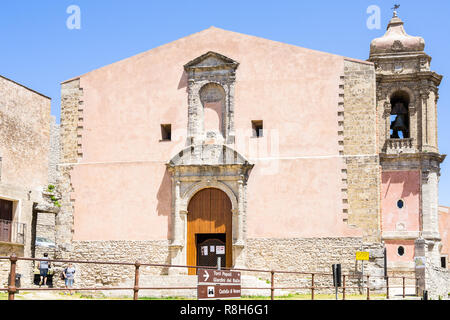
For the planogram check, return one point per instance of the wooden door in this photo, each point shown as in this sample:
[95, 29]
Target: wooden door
[209, 248]
[6, 215]
[209, 212]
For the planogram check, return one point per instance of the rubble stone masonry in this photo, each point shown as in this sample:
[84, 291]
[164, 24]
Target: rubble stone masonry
[360, 148]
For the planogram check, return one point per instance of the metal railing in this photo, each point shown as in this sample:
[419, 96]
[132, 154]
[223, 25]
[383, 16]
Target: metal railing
[313, 287]
[13, 232]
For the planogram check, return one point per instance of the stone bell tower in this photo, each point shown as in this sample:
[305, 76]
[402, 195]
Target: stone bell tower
[407, 95]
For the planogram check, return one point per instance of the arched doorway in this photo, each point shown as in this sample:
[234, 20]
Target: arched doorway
[209, 229]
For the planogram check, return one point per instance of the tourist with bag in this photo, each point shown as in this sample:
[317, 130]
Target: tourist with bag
[43, 266]
[69, 275]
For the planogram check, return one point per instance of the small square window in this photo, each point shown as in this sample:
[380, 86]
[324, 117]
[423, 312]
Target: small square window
[166, 132]
[257, 128]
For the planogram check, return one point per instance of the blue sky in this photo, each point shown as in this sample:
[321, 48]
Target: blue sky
[39, 51]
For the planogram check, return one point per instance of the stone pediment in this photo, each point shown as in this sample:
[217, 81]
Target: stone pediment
[208, 154]
[210, 61]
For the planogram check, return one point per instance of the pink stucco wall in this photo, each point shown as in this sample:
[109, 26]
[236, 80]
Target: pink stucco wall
[392, 250]
[400, 185]
[405, 186]
[444, 230]
[122, 179]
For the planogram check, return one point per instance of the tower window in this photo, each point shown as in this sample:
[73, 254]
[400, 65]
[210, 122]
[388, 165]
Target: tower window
[400, 204]
[443, 262]
[257, 128]
[166, 132]
[399, 115]
[400, 251]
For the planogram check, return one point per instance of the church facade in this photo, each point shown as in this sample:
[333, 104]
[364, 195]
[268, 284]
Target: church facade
[279, 157]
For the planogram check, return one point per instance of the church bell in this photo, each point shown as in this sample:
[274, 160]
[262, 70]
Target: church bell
[399, 124]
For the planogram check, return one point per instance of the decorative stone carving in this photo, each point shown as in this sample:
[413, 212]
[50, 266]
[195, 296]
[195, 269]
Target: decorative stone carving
[187, 180]
[219, 73]
[207, 161]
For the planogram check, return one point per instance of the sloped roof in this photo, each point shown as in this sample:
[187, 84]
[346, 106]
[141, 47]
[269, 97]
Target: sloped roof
[3, 77]
[216, 32]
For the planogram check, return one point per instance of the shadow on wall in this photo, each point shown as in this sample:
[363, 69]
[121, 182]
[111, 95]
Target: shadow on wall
[164, 208]
[183, 81]
[164, 197]
[409, 180]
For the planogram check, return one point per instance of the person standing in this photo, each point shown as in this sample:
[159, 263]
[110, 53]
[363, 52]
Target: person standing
[43, 269]
[69, 274]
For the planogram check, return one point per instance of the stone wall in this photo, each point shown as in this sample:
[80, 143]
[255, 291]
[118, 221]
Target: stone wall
[94, 275]
[54, 152]
[305, 255]
[70, 140]
[437, 282]
[314, 255]
[360, 148]
[24, 135]
[6, 249]
[24, 151]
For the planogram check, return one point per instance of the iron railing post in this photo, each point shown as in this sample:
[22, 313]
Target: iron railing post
[312, 286]
[368, 288]
[136, 280]
[343, 287]
[12, 277]
[417, 287]
[272, 279]
[403, 287]
[387, 288]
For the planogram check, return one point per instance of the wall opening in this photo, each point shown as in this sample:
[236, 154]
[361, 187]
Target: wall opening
[257, 128]
[166, 132]
[399, 118]
[6, 219]
[209, 214]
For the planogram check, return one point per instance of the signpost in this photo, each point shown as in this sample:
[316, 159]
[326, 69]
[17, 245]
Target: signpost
[362, 256]
[218, 284]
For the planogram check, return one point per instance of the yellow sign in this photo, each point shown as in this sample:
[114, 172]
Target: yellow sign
[362, 255]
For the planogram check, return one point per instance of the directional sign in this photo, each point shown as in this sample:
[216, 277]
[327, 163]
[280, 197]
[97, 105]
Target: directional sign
[218, 291]
[218, 284]
[218, 276]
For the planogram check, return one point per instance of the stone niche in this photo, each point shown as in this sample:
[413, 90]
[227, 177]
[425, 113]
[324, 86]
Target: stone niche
[211, 81]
